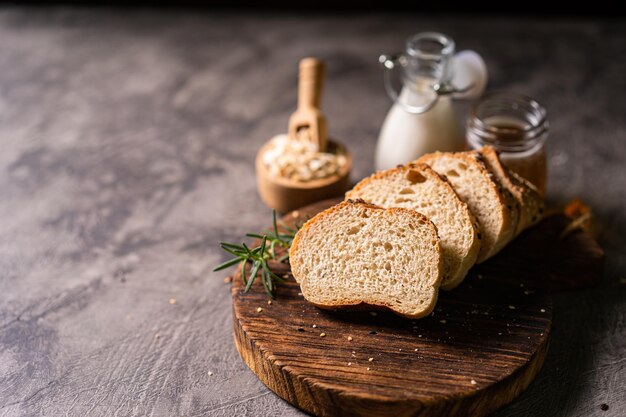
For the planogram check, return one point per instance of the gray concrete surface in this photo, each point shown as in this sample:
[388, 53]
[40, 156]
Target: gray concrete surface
[127, 141]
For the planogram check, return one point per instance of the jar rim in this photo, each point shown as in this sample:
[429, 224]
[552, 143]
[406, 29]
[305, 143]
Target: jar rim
[447, 45]
[517, 99]
[527, 118]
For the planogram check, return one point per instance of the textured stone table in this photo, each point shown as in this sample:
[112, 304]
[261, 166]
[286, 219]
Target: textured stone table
[127, 144]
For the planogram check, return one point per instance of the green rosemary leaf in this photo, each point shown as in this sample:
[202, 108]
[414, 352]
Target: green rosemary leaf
[244, 262]
[263, 242]
[288, 229]
[253, 272]
[267, 284]
[274, 223]
[283, 258]
[273, 249]
[254, 235]
[270, 285]
[271, 274]
[230, 245]
[232, 251]
[226, 264]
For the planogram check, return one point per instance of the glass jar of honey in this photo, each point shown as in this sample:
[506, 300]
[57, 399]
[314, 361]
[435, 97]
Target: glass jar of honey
[517, 127]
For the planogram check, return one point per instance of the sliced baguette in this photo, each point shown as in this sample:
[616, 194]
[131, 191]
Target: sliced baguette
[485, 198]
[420, 188]
[527, 199]
[356, 253]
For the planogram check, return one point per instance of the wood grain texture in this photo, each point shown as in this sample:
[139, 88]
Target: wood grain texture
[481, 347]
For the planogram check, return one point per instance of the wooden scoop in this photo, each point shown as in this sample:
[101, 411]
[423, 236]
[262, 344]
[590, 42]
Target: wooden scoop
[308, 115]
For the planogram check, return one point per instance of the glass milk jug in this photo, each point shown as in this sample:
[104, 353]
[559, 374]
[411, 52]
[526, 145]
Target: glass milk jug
[422, 118]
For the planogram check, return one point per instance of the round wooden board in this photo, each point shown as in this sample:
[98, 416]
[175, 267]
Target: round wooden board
[483, 345]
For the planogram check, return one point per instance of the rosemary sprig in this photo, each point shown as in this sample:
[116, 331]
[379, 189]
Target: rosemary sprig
[260, 255]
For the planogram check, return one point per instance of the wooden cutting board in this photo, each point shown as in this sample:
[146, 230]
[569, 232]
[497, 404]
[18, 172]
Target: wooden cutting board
[482, 346]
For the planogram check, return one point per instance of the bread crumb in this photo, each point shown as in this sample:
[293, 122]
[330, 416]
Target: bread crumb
[172, 301]
[442, 321]
[322, 334]
[259, 309]
[349, 363]
[543, 310]
[295, 213]
[499, 334]
[370, 359]
[473, 382]
[419, 335]
[300, 294]
[479, 276]
[210, 373]
[527, 292]
[373, 313]
[350, 339]
[157, 336]
[269, 302]
[416, 349]
[400, 349]
[511, 307]
[368, 369]
[228, 280]
[286, 276]
[314, 326]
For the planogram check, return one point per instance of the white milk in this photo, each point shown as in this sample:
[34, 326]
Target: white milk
[405, 137]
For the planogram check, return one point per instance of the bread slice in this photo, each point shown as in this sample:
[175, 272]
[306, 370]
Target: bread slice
[527, 198]
[510, 201]
[420, 188]
[485, 198]
[357, 253]
[533, 203]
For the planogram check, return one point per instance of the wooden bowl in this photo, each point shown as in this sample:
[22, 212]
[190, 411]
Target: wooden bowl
[285, 195]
